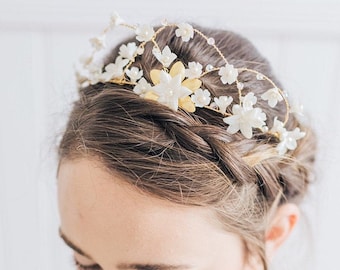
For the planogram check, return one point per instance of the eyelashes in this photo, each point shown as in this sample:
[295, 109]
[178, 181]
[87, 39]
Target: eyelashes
[86, 267]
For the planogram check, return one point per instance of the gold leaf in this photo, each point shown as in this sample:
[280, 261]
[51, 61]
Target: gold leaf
[192, 84]
[151, 95]
[187, 104]
[155, 75]
[178, 68]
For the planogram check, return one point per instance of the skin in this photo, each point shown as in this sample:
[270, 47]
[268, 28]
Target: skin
[115, 224]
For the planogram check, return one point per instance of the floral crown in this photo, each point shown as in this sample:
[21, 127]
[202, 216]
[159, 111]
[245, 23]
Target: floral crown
[180, 85]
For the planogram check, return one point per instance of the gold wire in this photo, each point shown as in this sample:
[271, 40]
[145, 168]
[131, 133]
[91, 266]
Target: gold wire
[153, 40]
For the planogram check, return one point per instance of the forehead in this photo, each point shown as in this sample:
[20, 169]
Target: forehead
[103, 213]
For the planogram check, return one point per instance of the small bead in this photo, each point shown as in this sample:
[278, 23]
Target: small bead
[265, 129]
[214, 106]
[211, 41]
[209, 67]
[259, 77]
[140, 50]
[240, 86]
[285, 93]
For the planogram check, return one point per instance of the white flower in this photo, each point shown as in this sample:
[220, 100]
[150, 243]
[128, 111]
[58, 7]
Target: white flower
[223, 102]
[170, 90]
[144, 33]
[142, 87]
[115, 70]
[95, 73]
[201, 98]
[248, 101]
[288, 140]
[115, 20]
[98, 43]
[273, 96]
[194, 70]
[134, 74]
[166, 57]
[128, 51]
[228, 74]
[185, 31]
[244, 120]
[278, 127]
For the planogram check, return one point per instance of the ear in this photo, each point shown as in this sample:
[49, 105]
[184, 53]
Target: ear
[280, 227]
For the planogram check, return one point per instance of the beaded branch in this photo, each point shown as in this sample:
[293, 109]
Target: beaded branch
[179, 86]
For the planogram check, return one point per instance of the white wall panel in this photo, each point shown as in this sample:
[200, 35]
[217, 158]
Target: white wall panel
[41, 39]
[18, 151]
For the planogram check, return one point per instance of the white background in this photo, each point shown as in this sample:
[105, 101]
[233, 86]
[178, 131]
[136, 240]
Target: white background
[41, 39]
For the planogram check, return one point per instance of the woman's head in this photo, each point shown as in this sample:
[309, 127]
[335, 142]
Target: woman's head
[138, 178]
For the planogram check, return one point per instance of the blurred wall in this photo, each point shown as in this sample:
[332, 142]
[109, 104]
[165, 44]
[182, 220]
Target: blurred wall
[40, 41]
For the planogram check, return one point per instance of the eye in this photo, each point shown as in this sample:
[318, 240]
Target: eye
[86, 267]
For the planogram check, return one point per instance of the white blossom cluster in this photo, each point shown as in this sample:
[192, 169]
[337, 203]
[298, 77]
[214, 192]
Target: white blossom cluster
[180, 86]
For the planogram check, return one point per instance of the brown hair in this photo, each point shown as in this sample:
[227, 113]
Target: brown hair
[190, 158]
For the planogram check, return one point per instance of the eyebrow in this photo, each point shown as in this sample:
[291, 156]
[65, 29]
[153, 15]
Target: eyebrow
[124, 266]
[69, 243]
[152, 267]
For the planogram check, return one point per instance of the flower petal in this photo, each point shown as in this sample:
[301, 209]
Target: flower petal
[166, 57]
[248, 101]
[185, 31]
[201, 98]
[151, 95]
[178, 68]
[228, 74]
[194, 70]
[223, 102]
[187, 104]
[142, 87]
[128, 50]
[144, 33]
[115, 20]
[155, 76]
[246, 130]
[192, 84]
[273, 96]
